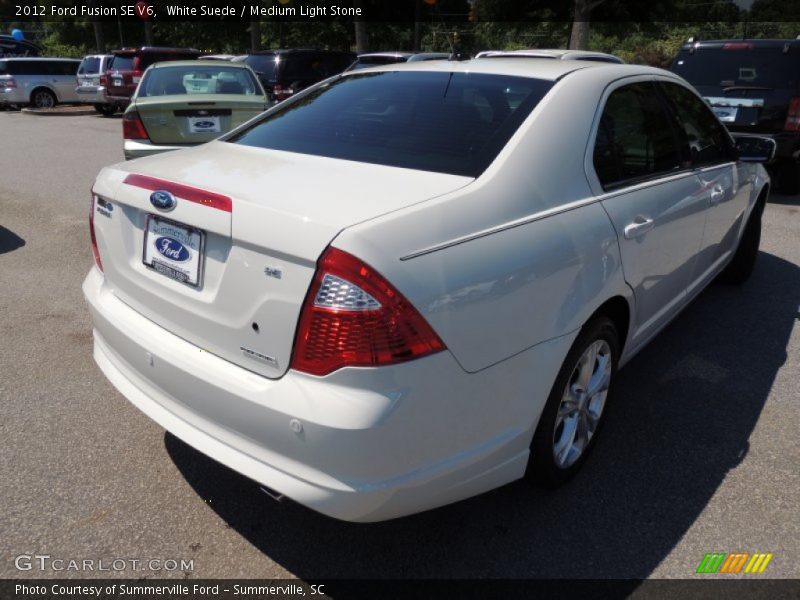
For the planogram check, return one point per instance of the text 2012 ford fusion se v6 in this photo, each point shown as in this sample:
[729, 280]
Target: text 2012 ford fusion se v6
[408, 285]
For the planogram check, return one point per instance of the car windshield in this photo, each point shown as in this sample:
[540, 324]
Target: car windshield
[740, 66]
[431, 121]
[199, 79]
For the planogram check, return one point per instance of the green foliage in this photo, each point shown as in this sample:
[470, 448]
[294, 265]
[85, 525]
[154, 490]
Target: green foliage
[52, 45]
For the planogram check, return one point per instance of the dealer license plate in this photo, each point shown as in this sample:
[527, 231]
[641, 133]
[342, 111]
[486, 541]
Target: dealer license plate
[174, 250]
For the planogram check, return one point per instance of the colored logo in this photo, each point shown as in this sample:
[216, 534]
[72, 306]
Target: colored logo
[172, 249]
[163, 200]
[734, 562]
[204, 124]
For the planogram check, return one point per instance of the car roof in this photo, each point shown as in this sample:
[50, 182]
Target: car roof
[386, 54]
[194, 63]
[146, 49]
[537, 68]
[297, 51]
[558, 53]
[761, 43]
[29, 58]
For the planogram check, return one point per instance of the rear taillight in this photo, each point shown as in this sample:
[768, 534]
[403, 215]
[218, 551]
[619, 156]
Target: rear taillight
[793, 116]
[95, 250]
[104, 79]
[136, 76]
[132, 126]
[282, 92]
[10, 83]
[353, 317]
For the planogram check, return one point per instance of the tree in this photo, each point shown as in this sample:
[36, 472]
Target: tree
[579, 37]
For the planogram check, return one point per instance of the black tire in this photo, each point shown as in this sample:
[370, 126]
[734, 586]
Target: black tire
[43, 98]
[543, 466]
[744, 259]
[106, 110]
[788, 178]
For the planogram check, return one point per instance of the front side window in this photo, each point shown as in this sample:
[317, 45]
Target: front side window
[703, 137]
[431, 121]
[635, 140]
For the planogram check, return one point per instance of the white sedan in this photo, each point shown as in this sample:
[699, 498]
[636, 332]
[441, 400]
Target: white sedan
[412, 284]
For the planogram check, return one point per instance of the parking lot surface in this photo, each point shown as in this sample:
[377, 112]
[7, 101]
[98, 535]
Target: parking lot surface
[699, 452]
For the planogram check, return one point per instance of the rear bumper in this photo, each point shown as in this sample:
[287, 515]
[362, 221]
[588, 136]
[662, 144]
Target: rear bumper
[138, 148]
[374, 444]
[12, 96]
[91, 94]
[121, 101]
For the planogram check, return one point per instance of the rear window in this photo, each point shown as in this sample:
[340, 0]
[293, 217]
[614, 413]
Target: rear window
[121, 63]
[164, 81]
[90, 64]
[754, 67]
[431, 121]
[263, 64]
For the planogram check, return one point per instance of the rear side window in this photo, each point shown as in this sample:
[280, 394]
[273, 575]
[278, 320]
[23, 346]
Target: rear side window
[63, 68]
[702, 136]
[635, 139]
[431, 121]
[741, 64]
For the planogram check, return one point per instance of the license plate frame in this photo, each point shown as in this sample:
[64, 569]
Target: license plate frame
[193, 122]
[726, 114]
[192, 238]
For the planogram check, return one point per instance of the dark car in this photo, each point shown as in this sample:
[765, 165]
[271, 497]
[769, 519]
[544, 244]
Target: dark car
[128, 64]
[753, 86]
[284, 72]
[11, 47]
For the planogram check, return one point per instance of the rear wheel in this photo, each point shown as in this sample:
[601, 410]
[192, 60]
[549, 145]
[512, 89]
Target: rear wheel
[744, 259]
[43, 98]
[787, 175]
[575, 408]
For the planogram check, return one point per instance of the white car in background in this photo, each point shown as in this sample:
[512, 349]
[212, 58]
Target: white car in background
[408, 285]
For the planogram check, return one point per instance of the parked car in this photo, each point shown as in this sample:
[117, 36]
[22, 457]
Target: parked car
[180, 104]
[558, 54]
[11, 48]
[218, 56]
[413, 284]
[753, 87]
[374, 59]
[90, 90]
[38, 82]
[128, 65]
[285, 72]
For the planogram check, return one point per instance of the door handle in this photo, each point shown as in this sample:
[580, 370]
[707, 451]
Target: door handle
[717, 193]
[640, 226]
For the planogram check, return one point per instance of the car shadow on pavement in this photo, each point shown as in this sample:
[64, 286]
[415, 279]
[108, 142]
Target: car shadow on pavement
[682, 415]
[9, 241]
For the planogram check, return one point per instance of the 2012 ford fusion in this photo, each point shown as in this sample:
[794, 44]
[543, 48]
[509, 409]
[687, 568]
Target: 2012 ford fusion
[408, 285]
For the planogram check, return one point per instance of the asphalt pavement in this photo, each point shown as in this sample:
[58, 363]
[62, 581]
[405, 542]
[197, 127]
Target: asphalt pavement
[699, 454]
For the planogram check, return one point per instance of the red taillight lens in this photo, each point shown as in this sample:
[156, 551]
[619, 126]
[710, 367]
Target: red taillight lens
[353, 317]
[10, 83]
[132, 127]
[95, 250]
[104, 79]
[793, 116]
[282, 92]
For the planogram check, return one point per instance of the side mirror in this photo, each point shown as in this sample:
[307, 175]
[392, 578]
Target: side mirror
[753, 148]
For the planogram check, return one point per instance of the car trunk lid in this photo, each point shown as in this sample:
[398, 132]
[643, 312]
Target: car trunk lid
[176, 120]
[258, 255]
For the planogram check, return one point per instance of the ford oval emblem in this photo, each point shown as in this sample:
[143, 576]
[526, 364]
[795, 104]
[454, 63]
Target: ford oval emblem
[163, 200]
[172, 249]
[204, 124]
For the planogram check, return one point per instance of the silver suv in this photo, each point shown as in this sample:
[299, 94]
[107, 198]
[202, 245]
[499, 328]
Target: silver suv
[91, 87]
[39, 82]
